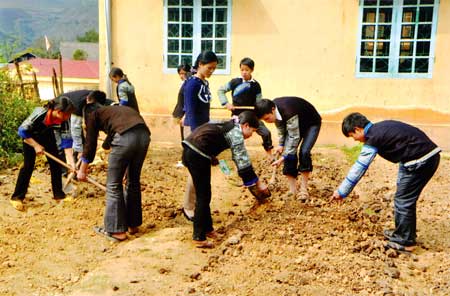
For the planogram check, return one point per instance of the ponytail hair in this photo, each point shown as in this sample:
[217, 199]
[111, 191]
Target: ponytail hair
[62, 103]
[117, 72]
[205, 57]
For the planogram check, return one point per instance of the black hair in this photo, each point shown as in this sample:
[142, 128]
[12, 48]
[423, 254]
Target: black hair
[352, 121]
[248, 62]
[250, 118]
[263, 107]
[98, 96]
[117, 72]
[62, 103]
[185, 67]
[205, 57]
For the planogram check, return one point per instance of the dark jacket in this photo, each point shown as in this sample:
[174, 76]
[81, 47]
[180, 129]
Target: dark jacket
[197, 97]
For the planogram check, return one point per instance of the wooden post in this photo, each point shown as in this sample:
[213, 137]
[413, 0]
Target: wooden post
[20, 78]
[35, 84]
[56, 82]
[60, 74]
[53, 87]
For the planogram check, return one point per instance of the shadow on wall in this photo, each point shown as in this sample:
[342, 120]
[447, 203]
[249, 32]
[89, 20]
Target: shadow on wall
[435, 124]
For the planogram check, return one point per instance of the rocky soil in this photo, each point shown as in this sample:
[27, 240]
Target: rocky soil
[281, 247]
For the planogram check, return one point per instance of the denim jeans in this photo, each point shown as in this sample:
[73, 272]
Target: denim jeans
[410, 182]
[124, 208]
[200, 169]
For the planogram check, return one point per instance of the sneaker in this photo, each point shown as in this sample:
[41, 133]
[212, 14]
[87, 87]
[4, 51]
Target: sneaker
[17, 204]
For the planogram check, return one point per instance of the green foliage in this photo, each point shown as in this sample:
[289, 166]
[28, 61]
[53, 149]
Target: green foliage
[352, 153]
[14, 110]
[89, 36]
[80, 55]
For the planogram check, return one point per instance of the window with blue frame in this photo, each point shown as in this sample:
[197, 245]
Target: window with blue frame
[192, 26]
[396, 38]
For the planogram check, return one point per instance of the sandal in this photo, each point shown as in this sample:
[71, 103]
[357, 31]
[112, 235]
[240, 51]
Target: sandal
[108, 235]
[214, 235]
[133, 230]
[17, 204]
[398, 247]
[204, 244]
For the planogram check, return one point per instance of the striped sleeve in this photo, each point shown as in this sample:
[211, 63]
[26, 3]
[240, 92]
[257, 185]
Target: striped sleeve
[359, 168]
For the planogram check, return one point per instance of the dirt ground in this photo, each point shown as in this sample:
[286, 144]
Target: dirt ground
[282, 247]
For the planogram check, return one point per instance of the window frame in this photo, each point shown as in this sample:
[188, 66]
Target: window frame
[196, 36]
[395, 40]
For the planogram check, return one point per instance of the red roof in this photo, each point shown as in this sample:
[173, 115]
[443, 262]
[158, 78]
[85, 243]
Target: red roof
[71, 68]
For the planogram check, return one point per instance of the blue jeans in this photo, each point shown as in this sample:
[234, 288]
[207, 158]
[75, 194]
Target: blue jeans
[124, 208]
[410, 183]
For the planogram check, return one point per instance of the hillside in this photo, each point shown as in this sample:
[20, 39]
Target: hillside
[28, 20]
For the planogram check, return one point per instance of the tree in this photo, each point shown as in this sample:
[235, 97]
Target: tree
[79, 55]
[89, 36]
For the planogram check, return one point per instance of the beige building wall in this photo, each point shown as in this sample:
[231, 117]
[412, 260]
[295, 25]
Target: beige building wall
[303, 48]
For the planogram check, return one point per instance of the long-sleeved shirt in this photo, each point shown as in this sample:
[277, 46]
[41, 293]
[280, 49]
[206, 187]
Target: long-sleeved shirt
[34, 127]
[393, 140]
[294, 117]
[243, 92]
[126, 95]
[111, 120]
[197, 97]
[178, 111]
[210, 139]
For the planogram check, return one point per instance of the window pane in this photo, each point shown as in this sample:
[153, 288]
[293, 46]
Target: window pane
[408, 2]
[207, 2]
[173, 15]
[385, 15]
[186, 30]
[406, 48]
[207, 31]
[370, 2]
[421, 66]
[386, 2]
[407, 31]
[426, 14]
[221, 31]
[222, 61]
[173, 30]
[423, 48]
[220, 46]
[187, 14]
[186, 46]
[367, 48]
[207, 15]
[426, 1]
[187, 2]
[384, 32]
[405, 65]
[409, 15]
[424, 32]
[381, 65]
[369, 15]
[382, 48]
[221, 15]
[186, 59]
[365, 65]
[174, 2]
[172, 61]
[207, 45]
[221, 2]
[173, 46]
[368, 32]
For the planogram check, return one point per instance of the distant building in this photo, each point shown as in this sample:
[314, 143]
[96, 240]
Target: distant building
[76, 74]
[68, 48]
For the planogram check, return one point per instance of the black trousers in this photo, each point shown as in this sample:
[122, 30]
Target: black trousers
[410, 183]
[47, 140]
[200, 169]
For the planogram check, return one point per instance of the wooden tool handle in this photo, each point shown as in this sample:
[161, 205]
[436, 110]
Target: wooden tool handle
[235, 107]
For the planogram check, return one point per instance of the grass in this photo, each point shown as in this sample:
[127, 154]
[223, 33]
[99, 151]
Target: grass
[351, 153]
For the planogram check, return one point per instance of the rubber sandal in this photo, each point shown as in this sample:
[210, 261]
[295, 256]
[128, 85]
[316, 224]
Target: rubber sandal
[204, 244]
[17, 204]
[214, 235]
[398, 247]
[133, 230]
[101, 231]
